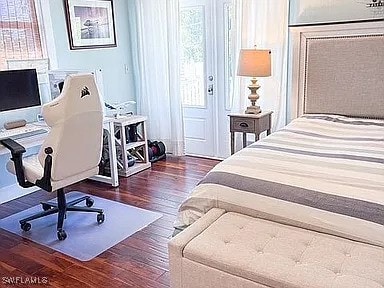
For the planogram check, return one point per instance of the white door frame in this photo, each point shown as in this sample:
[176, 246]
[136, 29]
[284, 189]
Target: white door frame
[215, 66]
[222, 136]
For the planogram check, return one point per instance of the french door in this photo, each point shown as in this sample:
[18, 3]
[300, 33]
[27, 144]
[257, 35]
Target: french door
[206, 75]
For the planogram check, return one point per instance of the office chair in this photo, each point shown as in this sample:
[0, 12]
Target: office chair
[70, 153]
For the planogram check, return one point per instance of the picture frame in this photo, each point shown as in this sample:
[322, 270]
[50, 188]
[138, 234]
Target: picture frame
[90, 24]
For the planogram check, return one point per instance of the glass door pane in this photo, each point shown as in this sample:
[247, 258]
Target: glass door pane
[228, 54]
[192, 29]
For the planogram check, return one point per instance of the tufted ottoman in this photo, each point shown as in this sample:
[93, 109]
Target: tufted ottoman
[233, 250]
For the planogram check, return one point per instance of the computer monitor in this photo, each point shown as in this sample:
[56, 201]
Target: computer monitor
[18, 89]
[56, 78]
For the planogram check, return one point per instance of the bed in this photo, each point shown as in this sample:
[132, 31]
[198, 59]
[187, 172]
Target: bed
[324, 171]
[321, 172]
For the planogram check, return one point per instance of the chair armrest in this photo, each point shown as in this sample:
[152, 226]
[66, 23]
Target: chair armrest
[13, 146]
[45, 182]
[17, 151]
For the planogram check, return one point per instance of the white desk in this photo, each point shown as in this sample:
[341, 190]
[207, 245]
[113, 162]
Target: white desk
[37, 140]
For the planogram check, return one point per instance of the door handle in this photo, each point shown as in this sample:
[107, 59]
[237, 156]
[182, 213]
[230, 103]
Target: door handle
[244, 125]
[210, 89]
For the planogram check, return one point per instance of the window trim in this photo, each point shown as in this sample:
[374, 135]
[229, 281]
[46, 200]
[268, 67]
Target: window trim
[43, 11]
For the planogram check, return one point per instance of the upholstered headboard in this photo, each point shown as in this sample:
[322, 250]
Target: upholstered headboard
[338, 69]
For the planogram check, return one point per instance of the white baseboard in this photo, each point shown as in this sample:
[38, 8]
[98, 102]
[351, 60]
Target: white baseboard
[203, 156]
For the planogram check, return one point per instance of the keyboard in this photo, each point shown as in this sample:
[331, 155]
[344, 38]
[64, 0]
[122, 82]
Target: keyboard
[21, 132]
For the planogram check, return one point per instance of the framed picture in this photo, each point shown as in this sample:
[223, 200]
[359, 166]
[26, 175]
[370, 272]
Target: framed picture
[90, 24]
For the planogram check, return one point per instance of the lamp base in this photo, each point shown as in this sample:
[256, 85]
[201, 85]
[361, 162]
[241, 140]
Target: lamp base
[253, 110]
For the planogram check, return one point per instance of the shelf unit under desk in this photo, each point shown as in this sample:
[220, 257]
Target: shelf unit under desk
[138, 149]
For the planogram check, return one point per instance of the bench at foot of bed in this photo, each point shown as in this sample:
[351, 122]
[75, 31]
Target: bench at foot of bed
[233, 250]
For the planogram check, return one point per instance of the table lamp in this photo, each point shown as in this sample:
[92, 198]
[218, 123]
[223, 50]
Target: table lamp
[254, 63]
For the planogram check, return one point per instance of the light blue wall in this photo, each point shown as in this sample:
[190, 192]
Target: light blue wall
[117, 82]
[320, 11]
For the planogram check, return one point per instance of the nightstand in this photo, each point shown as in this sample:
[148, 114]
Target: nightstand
[249, 123]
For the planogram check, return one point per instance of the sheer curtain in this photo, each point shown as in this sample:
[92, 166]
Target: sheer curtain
[155, 37]
[263, 23]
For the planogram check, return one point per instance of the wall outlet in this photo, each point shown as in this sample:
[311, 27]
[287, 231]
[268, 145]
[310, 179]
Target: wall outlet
[126, 69]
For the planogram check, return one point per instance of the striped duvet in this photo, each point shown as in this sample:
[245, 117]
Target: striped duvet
[320, 172]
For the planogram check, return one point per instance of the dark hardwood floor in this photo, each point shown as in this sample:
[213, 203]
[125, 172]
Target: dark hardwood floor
[141, 260]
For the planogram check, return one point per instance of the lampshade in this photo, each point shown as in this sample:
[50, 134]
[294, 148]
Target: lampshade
[254, 63]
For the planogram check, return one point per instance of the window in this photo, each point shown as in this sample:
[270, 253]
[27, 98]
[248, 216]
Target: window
[20, 36]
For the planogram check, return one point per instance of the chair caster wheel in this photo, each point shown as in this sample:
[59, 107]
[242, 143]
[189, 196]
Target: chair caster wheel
[61, 235]
[89, 202]
[25, 226]
[45, 207]
[100, 218]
